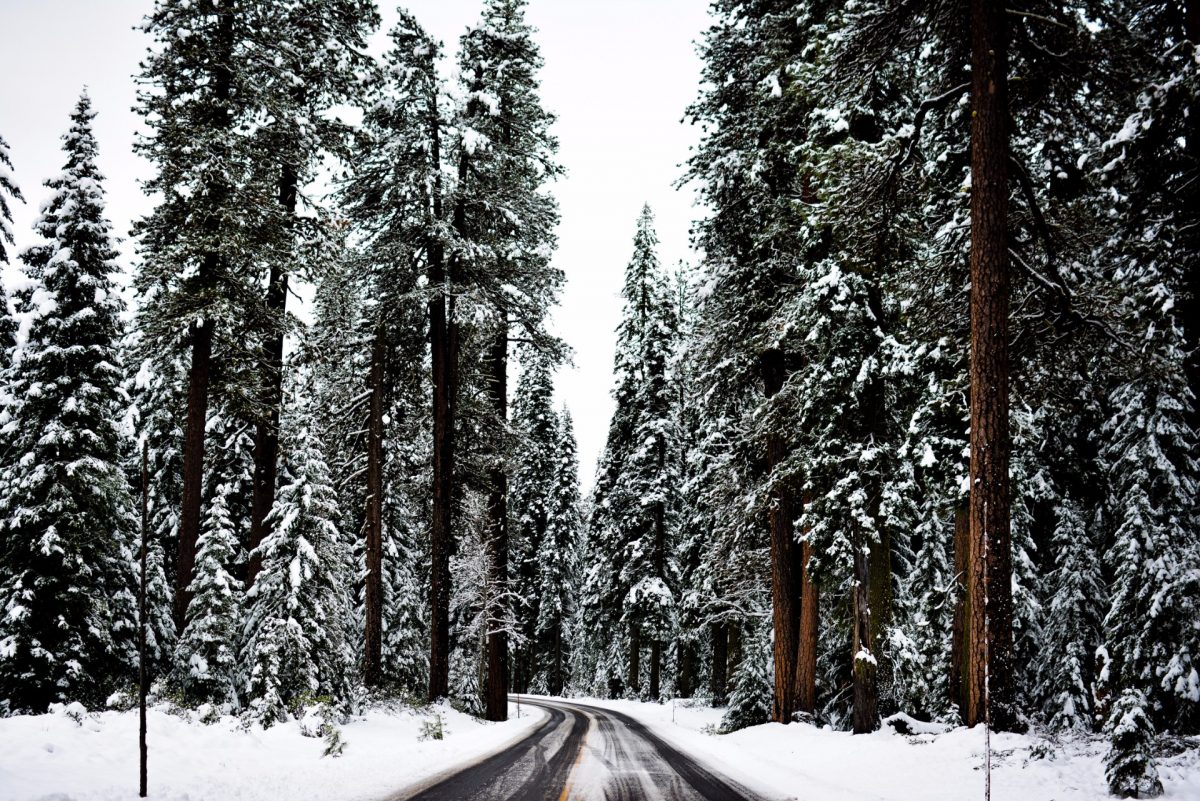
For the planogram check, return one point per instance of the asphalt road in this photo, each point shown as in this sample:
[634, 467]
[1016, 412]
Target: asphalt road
[584, 753]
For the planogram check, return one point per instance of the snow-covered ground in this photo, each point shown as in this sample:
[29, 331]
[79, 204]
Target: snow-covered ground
[813, 764]
[54, 758]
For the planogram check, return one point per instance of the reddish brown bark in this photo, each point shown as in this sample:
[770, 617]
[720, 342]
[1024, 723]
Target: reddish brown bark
[496, 692]
[373, 581]
[785, 555]
[990, 663]
[806, 657]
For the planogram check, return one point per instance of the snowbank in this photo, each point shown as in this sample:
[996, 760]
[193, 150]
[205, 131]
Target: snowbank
[54, 758]
[803, 761]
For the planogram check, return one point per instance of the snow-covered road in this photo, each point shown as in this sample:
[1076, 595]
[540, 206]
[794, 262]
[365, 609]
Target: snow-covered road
[584, 753]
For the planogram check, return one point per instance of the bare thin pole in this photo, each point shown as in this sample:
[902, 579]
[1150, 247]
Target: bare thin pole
[142, 624]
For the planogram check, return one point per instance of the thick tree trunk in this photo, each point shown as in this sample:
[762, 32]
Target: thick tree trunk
[991, 550]
[785, 585]
[373, 582]
[806, 658]
[635, 661]
[443, 337]
[863, 653]
[719, 670]
[266, 435]
[960, 640]
[496, 695]
[655, 668]
[193, 465]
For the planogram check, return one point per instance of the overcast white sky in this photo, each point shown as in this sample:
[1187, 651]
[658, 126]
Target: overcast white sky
[618, 74]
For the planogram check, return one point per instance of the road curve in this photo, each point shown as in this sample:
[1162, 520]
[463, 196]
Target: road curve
[584, 753]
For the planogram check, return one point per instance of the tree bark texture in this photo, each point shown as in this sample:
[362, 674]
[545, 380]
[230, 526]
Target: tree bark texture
[655, 668]
[719, 669]
[373, 581]
[990, 661]
[960, 639]
[784, 551]
[635, 661]
[806, 657]
[496, 694]
[266, 434]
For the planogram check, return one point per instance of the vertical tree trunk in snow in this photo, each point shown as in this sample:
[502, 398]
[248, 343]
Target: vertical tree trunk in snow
[991, 550]
[960, 639]
[266, 435]
[785, 587]
[806, 657]
[496, 695]
[373, 582]
[719, 670]
[635, 661]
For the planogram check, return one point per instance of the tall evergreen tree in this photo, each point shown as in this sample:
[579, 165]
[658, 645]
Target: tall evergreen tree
[533, 486]
[635, 488]
[557, 563]
[66, 516]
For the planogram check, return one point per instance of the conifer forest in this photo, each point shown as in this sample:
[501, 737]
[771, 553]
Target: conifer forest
[909, 444]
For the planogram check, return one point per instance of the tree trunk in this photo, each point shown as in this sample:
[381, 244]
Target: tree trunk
[655, 668]
[865, 660]
[719, 671]
[991, 548]
[193, 465]
[785, 587]
[373, 582]
[806, 658]
[960, 640]
[266, 435]
[496, 700]
[443, 337]
[635, 662]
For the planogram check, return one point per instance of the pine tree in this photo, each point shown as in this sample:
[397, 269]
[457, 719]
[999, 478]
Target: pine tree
[1066, 671]
[1129, 765]
[66, 580]
[751, 700]
[557, 563]
[295, 645]
[505, 219]
[533, 485]
[636, 484]
[206, 655]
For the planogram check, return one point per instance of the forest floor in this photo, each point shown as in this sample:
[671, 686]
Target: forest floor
[813, 764]
[55, 757]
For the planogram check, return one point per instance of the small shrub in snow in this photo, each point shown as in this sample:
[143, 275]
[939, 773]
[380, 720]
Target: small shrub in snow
[1129, 765]
[432, 729]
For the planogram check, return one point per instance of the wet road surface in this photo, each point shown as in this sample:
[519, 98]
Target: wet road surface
[585, 753]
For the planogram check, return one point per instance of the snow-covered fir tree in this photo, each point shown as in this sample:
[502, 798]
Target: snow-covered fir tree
[557, 563]
[66, 564]
[1129, 765]
[295, 645]
[530, 498]
[750, 700]
[206, 663]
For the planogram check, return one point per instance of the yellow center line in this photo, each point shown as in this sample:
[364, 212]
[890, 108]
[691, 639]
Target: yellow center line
[578, 758]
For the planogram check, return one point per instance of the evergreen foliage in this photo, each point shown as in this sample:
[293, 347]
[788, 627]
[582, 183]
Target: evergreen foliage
[1129, 764]
[66, 523]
